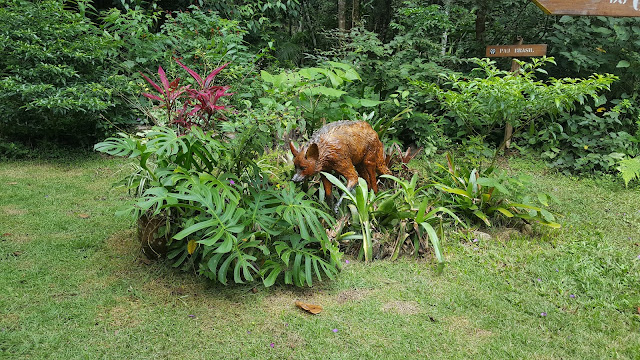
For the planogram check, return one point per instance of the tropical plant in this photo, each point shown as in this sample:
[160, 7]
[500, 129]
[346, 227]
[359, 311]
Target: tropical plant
[487, 194]
[225, 224]
[185, 106]
[364, 201]
[405, 211]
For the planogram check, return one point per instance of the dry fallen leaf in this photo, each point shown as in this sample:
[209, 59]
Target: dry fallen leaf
[83, 216]
[6, 234]
[314, 309]
[638, 309]
[13, 183]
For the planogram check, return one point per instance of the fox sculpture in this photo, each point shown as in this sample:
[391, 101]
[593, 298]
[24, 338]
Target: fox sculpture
[349, 148]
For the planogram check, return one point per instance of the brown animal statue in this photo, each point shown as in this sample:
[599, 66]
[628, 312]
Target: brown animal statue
[349, 148]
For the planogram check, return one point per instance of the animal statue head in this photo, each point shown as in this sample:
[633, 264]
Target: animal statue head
[305, 160]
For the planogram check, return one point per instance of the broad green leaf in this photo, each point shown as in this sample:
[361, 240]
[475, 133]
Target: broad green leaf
[323, 90]
[623, 64]
[226, 245]
[193, 228]
[370, 103]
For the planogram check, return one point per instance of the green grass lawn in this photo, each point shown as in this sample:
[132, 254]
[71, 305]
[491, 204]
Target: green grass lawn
[72, 285]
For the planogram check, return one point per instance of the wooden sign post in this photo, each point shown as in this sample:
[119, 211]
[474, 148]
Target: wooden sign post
[516, 50]
[617, 8]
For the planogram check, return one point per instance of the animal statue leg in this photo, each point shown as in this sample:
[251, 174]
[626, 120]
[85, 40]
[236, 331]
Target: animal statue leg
[350, 173]
[362, 172]
[327, 190]
[327, 186]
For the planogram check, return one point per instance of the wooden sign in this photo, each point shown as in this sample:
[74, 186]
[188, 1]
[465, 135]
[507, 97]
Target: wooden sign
[618, 8]
[516, 50]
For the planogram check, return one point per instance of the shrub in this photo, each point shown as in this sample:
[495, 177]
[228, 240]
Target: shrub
[56, 79]
[493, 98]
[587, 140]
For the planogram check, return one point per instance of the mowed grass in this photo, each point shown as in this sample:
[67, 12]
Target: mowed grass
[72, 285]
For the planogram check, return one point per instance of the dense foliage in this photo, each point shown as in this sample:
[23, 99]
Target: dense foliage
[211, 164]
[56, 77]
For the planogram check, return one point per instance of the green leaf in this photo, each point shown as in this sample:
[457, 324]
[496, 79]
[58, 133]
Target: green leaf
[266, 77]
[323, 90]
[630, 169]
[226, 245]
[502, 210]
[370, 103]
[623, 64]
[193, 228]
[433, 237]
[455, 191]
[222, 272]
[482, 217]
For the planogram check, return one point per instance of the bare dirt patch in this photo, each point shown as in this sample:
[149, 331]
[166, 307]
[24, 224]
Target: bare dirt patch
[17, 238]
[462, 325]
[402, 307]
[123, 315]
[283, 301]
[10, 321]
[13, 211]
[123, 243]
[352, 295]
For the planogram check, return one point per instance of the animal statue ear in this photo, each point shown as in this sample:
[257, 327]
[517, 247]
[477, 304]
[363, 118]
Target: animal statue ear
[294, 151]
[313, 152]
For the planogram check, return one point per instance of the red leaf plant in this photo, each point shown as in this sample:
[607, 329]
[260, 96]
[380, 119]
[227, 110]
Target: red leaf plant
[199, 106]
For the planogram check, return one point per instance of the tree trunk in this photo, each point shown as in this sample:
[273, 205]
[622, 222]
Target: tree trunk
[382, 13]
[445, 35]
[305, 9]
[481, 22]
[508, 129]
[342, 15]
[355, 13]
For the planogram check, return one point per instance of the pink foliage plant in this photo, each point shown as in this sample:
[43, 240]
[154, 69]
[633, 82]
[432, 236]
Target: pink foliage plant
[187, 106]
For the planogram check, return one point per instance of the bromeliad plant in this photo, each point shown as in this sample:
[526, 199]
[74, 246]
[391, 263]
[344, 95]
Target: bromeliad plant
[485, 195]
[407, 212]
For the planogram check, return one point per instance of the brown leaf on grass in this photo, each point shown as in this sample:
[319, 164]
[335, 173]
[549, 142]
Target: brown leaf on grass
[13, 183]
[7, 234]
[84, 216]
[638, 309]
[314, 309]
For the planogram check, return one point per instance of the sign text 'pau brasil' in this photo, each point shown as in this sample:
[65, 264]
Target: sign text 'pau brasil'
[618, 8]
[516, 50]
